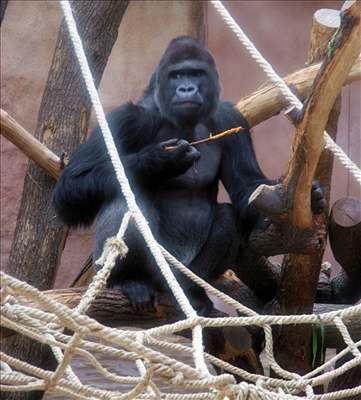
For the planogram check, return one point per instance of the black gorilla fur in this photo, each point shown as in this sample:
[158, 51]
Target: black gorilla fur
[176, 190]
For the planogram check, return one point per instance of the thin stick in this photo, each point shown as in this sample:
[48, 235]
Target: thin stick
[221, 135]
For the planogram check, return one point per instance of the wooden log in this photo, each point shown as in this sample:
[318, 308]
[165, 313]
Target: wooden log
[29, 145]
[268, 101]
[345, 240]
[324, 25]
[112, 308]
[62, 123]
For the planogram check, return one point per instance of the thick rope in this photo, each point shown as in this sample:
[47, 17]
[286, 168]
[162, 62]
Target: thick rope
[280, 83]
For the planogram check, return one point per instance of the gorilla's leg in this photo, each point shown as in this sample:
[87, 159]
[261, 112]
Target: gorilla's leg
[218, 254]
[133, 275]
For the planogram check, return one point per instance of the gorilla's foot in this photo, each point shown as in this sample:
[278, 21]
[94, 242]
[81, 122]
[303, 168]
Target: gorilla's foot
[142, 297]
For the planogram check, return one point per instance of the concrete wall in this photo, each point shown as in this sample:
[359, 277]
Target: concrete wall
[279, 29]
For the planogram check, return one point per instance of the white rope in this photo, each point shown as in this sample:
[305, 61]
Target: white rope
[280, 83]
[14, 314]
[139, 219]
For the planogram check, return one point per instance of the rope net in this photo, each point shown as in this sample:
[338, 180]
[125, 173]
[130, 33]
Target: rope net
[161, 371]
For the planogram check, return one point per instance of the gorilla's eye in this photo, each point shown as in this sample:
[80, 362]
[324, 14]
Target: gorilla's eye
[176, 75]
[198, 73]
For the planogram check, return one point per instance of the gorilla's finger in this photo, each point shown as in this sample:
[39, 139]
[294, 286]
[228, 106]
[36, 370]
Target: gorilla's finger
[192, 150]
[189, 160]
[192, 155]
[170, 142]
[182, 147]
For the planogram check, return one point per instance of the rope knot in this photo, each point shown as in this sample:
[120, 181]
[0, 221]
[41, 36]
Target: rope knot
[178, 379]
[113, 247]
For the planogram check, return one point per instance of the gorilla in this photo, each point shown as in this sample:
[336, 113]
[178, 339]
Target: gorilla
[176, 189]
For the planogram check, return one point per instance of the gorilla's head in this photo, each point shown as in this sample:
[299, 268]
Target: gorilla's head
[185, 84]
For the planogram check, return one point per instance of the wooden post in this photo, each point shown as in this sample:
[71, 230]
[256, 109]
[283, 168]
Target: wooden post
[62, 124]
[303, 270]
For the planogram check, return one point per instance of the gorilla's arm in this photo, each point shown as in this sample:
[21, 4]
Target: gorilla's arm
[240, 172]
[89, 181]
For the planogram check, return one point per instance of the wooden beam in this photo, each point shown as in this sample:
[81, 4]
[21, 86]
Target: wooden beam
[268, 101]
[29, 145]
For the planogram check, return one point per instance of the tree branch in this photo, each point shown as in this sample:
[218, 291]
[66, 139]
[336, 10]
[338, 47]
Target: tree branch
[29, 145]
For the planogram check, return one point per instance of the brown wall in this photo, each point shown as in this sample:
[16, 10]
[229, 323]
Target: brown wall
[280, 30]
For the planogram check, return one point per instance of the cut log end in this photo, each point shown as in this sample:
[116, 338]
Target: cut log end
[328, 18]
[346, 212]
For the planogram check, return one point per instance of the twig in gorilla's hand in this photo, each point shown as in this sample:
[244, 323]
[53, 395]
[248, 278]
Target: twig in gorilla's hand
[221, 135]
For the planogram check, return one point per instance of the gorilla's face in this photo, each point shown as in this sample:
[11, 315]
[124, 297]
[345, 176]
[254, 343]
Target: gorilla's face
[187, 88]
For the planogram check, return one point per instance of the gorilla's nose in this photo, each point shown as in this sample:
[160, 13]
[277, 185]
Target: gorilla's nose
[186, 91]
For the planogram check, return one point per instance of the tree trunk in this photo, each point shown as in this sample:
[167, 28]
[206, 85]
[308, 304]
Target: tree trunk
[62, 124]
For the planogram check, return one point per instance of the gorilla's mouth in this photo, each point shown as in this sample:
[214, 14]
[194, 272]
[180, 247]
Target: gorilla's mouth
[187, 104]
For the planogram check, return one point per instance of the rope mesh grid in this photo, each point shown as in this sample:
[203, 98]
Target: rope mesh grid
[45, 319]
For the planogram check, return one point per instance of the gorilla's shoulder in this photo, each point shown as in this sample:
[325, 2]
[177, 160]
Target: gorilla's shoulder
[227, 116]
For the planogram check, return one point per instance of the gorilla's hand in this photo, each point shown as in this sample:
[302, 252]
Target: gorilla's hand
[141, 296]
[170, 162]
[318, 201]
